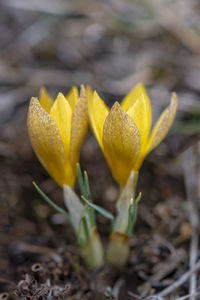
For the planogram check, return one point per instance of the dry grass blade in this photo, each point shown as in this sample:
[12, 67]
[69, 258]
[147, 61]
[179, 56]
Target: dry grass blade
[174, 286]
[190, 176]
[198, 171]
[188, 296]
[58, 7]
[172, 21]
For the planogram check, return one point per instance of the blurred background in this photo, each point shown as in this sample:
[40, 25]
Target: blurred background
[111, 45]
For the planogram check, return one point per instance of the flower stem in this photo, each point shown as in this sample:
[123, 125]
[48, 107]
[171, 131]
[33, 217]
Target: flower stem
[92, 251]
[127, 208]
[118, 249]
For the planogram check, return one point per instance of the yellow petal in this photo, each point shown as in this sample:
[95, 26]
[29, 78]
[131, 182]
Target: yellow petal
[121, 143]
[45, 100]
[72, 97]
[163, 124]
[140, 112]
[61, 113]
[133, 96]
[79, 126]
[98, 112]
[46, 141]
[89, 92]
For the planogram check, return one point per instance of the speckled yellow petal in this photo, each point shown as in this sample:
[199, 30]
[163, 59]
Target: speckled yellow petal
[72, 97]
[121, 143]
[79, 126]
[45, 100]
[61, 113]
[140, 112]
[46, 141]
[163, 124]
[98, 112]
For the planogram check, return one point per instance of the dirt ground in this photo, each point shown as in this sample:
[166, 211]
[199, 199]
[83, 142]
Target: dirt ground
[110, 45]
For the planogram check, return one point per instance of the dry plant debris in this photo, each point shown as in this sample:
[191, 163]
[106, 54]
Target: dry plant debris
[111, 45]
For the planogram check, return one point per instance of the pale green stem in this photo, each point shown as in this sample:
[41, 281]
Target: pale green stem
[118, 248]
[87, 235]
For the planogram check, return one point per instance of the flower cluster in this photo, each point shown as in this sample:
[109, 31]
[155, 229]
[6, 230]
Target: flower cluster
[57, 130]
[124, 133]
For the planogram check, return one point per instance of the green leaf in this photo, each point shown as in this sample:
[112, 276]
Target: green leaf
[108, 291]
[85, 192]
[135, 182]
[91, 211]
[188, 127]
[133, 211]
[87, 186]
[52, 204]
[85, 227]
[99, 209]
[80, 180]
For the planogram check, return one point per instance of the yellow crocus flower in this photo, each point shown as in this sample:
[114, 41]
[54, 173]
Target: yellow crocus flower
[123, 133]
[56, 130]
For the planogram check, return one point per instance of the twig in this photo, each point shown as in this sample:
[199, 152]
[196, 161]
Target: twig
[34, 248]
[191, 191]
[117, 288]
[134, 295]
[178, 282]
[188, 296]
[198, 171]
[156, 297]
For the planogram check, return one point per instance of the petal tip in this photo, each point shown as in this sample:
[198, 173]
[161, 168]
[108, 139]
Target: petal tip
[43, 90]
[115, 106]
[95, 94]
[174, 97]
[139, 85]
[82, 91]
[60, 97]
[33, 105]
[34, 100]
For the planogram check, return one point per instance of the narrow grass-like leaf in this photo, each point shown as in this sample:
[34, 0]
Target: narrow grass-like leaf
[80, 242]
[135, 182]
[133, 211]
[80, 180]
[87, 186]
[99, 209]
[85, 192]
[83, 222]
[130, 218]
[91, 211]
[85, 227]
[52, 204]
[188, 127]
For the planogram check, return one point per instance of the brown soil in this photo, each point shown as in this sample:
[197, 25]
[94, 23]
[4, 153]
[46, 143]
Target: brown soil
[102, 45]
